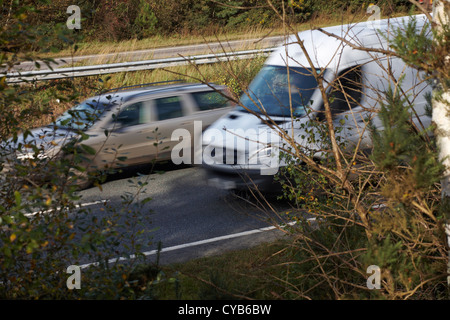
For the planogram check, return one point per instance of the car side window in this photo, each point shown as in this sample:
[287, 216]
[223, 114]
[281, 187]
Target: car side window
[209, 100]
[347, 91]
[345, 94]
[130, 115]
[168, 108]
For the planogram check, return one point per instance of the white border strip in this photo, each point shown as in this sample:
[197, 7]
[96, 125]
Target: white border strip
[196, 243]
[59, 208]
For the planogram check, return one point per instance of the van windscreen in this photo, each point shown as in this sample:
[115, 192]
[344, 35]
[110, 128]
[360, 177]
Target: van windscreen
[269, 92]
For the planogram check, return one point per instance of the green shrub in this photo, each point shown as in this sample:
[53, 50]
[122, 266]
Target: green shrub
[42, 229]
[120, 20]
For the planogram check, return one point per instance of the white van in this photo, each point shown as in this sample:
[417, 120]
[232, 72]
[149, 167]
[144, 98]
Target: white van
[240, 149]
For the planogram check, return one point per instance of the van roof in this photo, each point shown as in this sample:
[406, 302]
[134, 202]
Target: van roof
[327, 51]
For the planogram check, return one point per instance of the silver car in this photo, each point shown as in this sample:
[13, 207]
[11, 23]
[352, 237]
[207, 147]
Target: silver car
[125, 127]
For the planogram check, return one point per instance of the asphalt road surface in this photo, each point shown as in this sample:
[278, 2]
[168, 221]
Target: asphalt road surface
[188, 217]
[158, 53]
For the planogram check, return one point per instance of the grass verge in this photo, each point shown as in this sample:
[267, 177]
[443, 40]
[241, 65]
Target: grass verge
[252, 273]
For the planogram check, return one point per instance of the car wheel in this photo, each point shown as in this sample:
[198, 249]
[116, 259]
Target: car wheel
[80, 179]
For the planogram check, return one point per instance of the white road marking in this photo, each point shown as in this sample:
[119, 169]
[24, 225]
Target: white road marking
[76, 206]
[196, 243]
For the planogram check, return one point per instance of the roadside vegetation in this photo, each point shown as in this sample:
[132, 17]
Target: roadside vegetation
[389, 214]
[105, 20]
[381, 209]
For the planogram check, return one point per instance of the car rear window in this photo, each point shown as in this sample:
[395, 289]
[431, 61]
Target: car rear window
[209, 100]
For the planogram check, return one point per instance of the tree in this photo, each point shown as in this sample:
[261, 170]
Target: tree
[436, 62]
[441, 103]
[405, 237]
[42, 229]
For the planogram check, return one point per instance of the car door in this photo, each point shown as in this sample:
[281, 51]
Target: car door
[345, 105]
[143, 131]
[171, 113]
[126, 144]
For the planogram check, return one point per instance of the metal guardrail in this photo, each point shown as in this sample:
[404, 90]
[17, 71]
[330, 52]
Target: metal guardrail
[62, 73]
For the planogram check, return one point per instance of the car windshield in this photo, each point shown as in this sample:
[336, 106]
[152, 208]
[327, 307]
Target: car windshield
[81, 116]
[269, 91]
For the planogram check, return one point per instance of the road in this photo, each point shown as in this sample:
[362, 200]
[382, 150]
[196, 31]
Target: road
[188, 215]
[157, 53]
[189, 218]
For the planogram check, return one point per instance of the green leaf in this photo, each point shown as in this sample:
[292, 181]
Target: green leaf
[88, 149]
[84, 136]
[146, 200]
[18, 198]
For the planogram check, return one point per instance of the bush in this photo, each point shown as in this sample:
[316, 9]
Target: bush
[43, 230]
[130, 19]
[404, 237]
